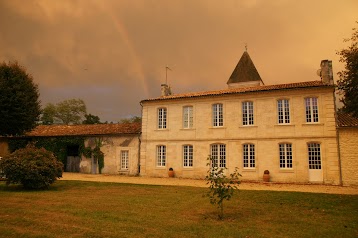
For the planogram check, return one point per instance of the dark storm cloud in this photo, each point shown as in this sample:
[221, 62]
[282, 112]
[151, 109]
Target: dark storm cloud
[112, 54]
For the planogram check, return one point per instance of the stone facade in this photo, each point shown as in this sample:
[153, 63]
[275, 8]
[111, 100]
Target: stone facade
[349, 154]
[114, 148]
[265, 134]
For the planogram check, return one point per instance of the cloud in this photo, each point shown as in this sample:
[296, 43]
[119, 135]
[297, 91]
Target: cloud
[112, 54]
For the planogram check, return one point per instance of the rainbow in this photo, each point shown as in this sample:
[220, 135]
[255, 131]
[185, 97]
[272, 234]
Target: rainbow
[121, 29]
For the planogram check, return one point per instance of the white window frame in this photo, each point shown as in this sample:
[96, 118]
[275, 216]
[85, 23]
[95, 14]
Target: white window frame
[283, 111]
[311, 105]
[162, 118]
[314, 155]
[218, 115]
[161, 155]
[124, 159]
[188, 120]
[248, 156]
[188, 156]
[218, 154]
[247, 113]
[285, 150]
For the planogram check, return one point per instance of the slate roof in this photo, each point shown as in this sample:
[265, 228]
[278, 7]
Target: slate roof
[85, 130]
[245, 71]
[346, 120]
[309, 84]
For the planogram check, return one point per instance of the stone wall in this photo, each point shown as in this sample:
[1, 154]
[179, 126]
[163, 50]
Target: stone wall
[112, 147]
[349, 155]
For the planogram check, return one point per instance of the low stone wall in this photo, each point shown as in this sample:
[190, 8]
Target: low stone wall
[349, 155]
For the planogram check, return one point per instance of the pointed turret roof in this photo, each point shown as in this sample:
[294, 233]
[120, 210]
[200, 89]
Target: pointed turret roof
[245, 71]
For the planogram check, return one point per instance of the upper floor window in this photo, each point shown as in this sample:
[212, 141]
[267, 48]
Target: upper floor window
[124, 159]
[247, 113]
[311, 109]
[161, 155]
[188, 156]
[162, 118]
[218, 117]
[249, 155]
[285, 156]
[218, 154]
[188, 117]
[283, 108]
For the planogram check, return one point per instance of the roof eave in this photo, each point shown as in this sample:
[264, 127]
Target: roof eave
[233, 92]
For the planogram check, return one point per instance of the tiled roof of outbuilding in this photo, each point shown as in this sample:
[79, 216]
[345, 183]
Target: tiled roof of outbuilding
[346, 120]
[85, 130]
[309, 84]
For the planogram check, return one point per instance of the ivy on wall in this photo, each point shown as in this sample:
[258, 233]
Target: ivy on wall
[96, 153]
[58, 146]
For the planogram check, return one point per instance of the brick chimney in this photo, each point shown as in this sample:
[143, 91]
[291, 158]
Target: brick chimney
[165, 90]
[326, 72]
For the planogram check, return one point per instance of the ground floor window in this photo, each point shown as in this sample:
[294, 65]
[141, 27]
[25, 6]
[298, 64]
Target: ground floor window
[161, 155]
[188, 156]
[249, 155]
[314, 156]
[285, 156]
[218, 154]
[124, 159]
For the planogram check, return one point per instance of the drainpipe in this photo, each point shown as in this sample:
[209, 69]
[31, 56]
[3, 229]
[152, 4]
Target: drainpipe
[337, 136]
[139, 139]
[139, 143]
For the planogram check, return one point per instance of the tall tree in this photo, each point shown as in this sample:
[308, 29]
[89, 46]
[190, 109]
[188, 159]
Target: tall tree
[130, 120]
[348, 78]
[91, 119]
[48, 114]
[19, 100]
[67, 112]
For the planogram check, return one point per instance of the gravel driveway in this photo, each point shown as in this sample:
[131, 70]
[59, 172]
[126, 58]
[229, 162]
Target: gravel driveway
[313, 188]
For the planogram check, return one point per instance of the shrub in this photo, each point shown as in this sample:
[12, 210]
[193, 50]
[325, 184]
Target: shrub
[32, 167]
[221, 187]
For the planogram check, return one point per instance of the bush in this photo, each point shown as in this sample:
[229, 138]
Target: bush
[32, 167]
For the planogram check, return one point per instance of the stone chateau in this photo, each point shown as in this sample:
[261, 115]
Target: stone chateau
[291, 130]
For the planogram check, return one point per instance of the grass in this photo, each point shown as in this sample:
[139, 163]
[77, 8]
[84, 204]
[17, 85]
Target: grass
[90, 209]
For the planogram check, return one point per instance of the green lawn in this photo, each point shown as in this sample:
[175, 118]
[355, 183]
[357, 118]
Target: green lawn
[89, 209]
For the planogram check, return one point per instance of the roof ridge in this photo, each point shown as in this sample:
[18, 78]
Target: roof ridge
[315, 83]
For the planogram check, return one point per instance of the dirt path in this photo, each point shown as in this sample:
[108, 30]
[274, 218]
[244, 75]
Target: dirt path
[202, 183]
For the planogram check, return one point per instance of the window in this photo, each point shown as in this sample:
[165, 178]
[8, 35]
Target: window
[247, 113]
[249, 155]
[283, 108]
[188, 156]
[188, 117]
[161, 155]
[311, 109]
[285, 156]
[314, 156]
[218, 154]
[218, 119]
[124, 159]
[162, 118]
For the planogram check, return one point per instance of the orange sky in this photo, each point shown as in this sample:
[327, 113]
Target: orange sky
[112, 53]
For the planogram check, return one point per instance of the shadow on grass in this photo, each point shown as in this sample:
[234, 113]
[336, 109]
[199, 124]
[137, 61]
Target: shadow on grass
[63, 185]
